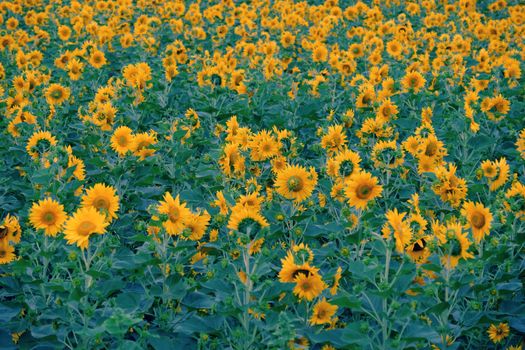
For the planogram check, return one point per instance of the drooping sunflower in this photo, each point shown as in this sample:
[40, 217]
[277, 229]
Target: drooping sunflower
[308, 286]
[386, 154]
[104, 199]
[177, 213]
[499, 332]
[245, 219]
[56, 94]
[48, 215]
[418, 250]
[323, 312]
[520, 143]
[40, 143]
[295, 182]
[361, 188]
[478, 218]
[122, 140]
[82, 224]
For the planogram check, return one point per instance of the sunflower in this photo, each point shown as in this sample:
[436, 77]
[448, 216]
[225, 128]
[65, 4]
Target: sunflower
[413, 81]
[478, 218]
[56, 94]
[362, 188]
[320, 53]
[295, 182]
[520, 143]
[335, 139]
[516, 195]
[82, 224]
[387, 110]
[48, 215]
[97, 59]
[64, 32]
[141, 143]
[386, 154]
[455, 244]
[196, 225]
[503, 174]
[104, 199]
[263, 146]
[499, 332]
[418, 250]
[290, 270]
[221, 203]
[122, 140]
[308, 286]
[323, 312]
[337, 278]
[177, 214]
[232, 162]
[399, 227]
[10, 229]
[246, 219]
[40, 143]
[7, 252]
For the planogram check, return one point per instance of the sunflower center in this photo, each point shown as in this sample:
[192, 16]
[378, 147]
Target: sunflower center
[3, 253]
[306, 286]
[363, 191]
[321, 313]
[123, 141]
[267, 147]
[49, 218]
[86, 228]
[56, 94]
[478, 220]
[431, 149]
[3, 231]
[419, 245]
[294, 184]
[300, 271]
[101, 203]
[174, 215]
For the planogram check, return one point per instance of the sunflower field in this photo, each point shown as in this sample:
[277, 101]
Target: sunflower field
[264, 174]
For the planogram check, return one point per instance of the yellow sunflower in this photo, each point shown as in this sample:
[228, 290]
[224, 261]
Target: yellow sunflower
[246, 219]
[263, 146]
[335, 139]
[308, 286]
[323, 312]
[82, 224]
[177, 214]
[499, 332]
[362, 188]
[478, 218]
[97, 59]
[455, 245]
[40, 143]
[48, 215]
[104, 199]
[122, 140]
[295, 182]
[7, 252]
[56, 94]
[10, 229]
[290, 270]
[196, 225]
[413, 81]
[141, 144]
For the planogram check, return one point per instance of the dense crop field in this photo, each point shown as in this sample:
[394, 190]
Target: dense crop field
[262, 174]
